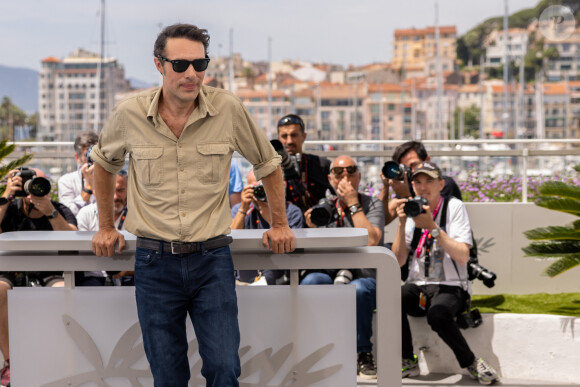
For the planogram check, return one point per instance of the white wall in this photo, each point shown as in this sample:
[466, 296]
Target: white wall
[498, 228]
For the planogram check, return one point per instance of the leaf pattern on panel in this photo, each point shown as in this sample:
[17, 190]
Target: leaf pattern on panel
[126, 352]
[129, 349]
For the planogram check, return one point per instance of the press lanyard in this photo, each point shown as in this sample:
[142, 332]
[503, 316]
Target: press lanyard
[120, 226]
[426, 232]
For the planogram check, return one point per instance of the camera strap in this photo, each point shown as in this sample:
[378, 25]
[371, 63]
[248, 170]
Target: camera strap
[425, 233]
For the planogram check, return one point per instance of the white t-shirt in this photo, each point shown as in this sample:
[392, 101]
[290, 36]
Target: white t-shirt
[88, 220]
[442, 271]
[69, 191]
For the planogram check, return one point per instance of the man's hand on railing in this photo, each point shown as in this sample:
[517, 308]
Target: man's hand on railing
[104, 242]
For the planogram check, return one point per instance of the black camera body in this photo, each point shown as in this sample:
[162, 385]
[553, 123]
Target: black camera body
[260, 193]
[475, 270]
[324, 212]
[414, 207]
[90, 161]
[393, 170]
[31, 184]
[469, 319]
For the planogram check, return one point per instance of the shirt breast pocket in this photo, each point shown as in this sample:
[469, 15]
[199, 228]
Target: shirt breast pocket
[148, 164]
[211, 162]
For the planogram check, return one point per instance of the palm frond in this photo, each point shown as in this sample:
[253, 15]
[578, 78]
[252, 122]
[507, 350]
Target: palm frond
[576, 225]
[569, 206]
[562, 265]
[552, 250]
[560, 189]
[553, 233]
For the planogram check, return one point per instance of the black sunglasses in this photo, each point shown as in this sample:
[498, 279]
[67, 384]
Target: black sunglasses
[350, 170]
[180, 65]
[291, 119]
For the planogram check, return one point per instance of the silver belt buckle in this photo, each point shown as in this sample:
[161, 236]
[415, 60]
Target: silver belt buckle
[173, 245]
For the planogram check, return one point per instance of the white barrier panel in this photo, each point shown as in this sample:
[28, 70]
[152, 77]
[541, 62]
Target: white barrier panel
[291, 335]
[85, 336]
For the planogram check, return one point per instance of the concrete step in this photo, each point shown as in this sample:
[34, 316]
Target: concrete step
[461, 380]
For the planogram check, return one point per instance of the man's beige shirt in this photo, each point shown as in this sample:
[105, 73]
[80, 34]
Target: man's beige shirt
[178, 188]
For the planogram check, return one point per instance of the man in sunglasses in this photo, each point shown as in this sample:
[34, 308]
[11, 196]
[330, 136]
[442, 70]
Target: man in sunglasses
[314, 170]
[180, 139]
[355, 210]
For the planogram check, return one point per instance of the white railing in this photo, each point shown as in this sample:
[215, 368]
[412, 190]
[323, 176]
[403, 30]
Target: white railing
[522, 158]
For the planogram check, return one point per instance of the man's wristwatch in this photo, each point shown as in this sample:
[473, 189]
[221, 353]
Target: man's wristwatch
[4, 200]
[53, 214]
[354, 208]
[435, 232]
[89, 191]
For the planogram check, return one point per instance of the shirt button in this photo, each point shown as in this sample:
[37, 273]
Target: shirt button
[182, 191]
[179, 145]
[183, 214]
[181, 169]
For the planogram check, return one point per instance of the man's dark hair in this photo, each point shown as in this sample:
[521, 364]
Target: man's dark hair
[187, 31]
[403, 149]
[84, 139]
[291, 119]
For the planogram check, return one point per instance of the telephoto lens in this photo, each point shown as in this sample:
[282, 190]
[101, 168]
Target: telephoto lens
[414, 207]
[323, 213]
[392, 170]
[37, 186]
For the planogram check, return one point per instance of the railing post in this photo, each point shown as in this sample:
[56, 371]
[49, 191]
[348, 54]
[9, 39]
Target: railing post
[525, 156]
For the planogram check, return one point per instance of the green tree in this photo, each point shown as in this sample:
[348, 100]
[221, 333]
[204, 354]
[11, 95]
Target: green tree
[5, 150]
[10, 116]
[562, 242]
[470, 121]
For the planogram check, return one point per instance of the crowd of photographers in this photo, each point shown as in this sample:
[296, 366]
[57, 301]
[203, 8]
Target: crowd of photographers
[434, 243]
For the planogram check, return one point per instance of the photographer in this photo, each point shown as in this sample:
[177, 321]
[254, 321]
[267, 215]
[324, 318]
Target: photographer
[409, 155]
[253, 213]
[26, 206]
[75, 189]
[354, 209]
[437, 286]
[88, 220]
[312, 182]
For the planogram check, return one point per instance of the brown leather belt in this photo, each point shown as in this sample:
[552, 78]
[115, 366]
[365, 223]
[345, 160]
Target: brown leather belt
[184, 247]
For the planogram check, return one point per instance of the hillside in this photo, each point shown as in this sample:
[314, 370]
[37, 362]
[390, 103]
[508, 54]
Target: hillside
[20, 85]
[469, 46]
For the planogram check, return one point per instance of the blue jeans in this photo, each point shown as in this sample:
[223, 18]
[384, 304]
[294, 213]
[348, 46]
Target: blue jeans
[168, 287]
[366, 303]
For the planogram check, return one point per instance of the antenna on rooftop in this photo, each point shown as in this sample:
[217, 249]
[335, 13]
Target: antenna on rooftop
[99, 68]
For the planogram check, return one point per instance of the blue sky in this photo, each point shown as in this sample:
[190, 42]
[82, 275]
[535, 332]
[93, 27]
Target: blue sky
[334, 31]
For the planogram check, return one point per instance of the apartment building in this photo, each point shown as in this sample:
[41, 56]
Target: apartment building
[556, 110]
[72, 99]
[567, 64]
[495, 43]
[341, 111]
[266, 114]
[388, 112]
[414, 50]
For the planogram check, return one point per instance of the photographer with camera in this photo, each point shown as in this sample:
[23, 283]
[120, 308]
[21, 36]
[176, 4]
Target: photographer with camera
[353, 209]
[26, 206]
[88, 220]
[312, 181]
[396, 175]
[435, 234]
[75, 189]
[253, 213]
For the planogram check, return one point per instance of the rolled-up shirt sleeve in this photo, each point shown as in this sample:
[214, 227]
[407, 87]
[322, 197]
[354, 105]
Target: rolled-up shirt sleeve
[110, 151]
